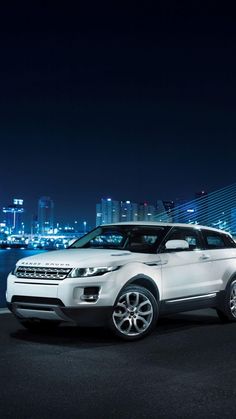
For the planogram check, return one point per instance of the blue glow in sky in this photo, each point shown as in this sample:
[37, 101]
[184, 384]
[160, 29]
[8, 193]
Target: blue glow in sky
[137, 103]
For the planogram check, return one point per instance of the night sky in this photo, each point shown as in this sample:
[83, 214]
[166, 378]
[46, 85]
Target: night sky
[131, 102]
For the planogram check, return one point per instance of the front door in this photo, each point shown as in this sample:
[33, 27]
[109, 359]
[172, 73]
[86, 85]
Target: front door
[189, 272]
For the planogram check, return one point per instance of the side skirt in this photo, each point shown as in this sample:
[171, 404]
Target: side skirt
[193, 302]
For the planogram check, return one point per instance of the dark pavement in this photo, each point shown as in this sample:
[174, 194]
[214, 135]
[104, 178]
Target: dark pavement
[186, 368]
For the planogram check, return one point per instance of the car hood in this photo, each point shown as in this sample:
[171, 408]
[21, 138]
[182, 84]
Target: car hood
[83, 258]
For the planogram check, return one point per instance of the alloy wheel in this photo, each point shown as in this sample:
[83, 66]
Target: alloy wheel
[233, 299]
[133, 313]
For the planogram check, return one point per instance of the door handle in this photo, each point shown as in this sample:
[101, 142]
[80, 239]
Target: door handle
[157, 263]
[204, 257]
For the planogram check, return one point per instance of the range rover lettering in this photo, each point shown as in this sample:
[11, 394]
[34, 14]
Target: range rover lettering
[125, 276]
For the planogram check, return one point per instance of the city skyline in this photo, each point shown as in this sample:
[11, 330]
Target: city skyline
[32, 220]
[216, 209]
[222, 202]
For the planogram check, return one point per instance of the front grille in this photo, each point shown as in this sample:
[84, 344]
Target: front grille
[37, 272]
[37, 300]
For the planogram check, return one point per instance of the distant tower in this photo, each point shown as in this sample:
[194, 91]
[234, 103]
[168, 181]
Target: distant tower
[14, 214]
[146, 212]
[128, 211]
[34, 225]
[45, 215]
[108, 211]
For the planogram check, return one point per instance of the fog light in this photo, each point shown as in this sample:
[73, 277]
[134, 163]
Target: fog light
[90, 294]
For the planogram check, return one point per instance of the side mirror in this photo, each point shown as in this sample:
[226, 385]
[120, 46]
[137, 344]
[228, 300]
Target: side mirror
[177, 245]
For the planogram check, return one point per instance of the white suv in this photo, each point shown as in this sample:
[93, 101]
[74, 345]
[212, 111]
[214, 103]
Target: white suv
[126, 275]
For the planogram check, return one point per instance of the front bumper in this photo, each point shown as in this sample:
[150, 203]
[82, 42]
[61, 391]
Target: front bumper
[63, 300]
[69, 291]
[92, 316]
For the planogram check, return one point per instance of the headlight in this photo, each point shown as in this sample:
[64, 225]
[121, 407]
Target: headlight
[85, 272]
[14, 270]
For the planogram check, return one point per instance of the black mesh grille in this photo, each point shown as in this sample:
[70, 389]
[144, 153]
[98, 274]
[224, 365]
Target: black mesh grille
[36, 300]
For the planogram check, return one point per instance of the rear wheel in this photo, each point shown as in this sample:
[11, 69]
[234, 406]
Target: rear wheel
[228, 311]
[135, 313]
[38, 325]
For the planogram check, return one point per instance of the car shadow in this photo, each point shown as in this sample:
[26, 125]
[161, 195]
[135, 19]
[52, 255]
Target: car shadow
[187, 320]
[72, 336]
[69, 335]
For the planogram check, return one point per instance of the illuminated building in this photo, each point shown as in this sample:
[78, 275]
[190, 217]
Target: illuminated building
[14, 217]
[34, 225]
[146, 212]
[45, 215]
[215, 209]
[107, 211]
[128, 211]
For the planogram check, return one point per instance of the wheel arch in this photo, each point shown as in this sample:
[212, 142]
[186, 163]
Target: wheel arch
[230, 280]
[222, 293]
[143, 281]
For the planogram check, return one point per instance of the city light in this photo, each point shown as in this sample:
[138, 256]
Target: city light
[216, 209]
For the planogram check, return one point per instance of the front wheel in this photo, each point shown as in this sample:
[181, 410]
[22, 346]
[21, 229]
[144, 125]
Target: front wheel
[228, 311]
[135, 313]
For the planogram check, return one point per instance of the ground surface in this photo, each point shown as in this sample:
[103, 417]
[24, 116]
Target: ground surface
[186, 368]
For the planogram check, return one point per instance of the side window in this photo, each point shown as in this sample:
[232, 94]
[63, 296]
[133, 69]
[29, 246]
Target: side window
[143, 241]
[192, 236]
[214, 240]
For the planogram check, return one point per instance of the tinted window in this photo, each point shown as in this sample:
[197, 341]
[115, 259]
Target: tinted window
[214, 240]
[144, 241]
[191, 235]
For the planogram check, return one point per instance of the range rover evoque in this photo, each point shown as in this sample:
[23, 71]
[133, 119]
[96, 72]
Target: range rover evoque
[125, 276]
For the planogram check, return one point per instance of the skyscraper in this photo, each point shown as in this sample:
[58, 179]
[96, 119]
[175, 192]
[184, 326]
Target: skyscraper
[14, 216]
[146, 212]
[128, 211]
[108, 211]
[45, 215]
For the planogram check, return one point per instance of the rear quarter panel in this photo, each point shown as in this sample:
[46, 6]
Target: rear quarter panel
[223, 265]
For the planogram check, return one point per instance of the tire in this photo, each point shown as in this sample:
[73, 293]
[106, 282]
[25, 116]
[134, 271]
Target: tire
[227, 313]
[135, 313]
[37, 325]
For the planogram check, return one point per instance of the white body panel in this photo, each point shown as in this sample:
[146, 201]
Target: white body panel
[186, 274]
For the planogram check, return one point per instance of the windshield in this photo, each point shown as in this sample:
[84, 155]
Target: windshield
[141, 239]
